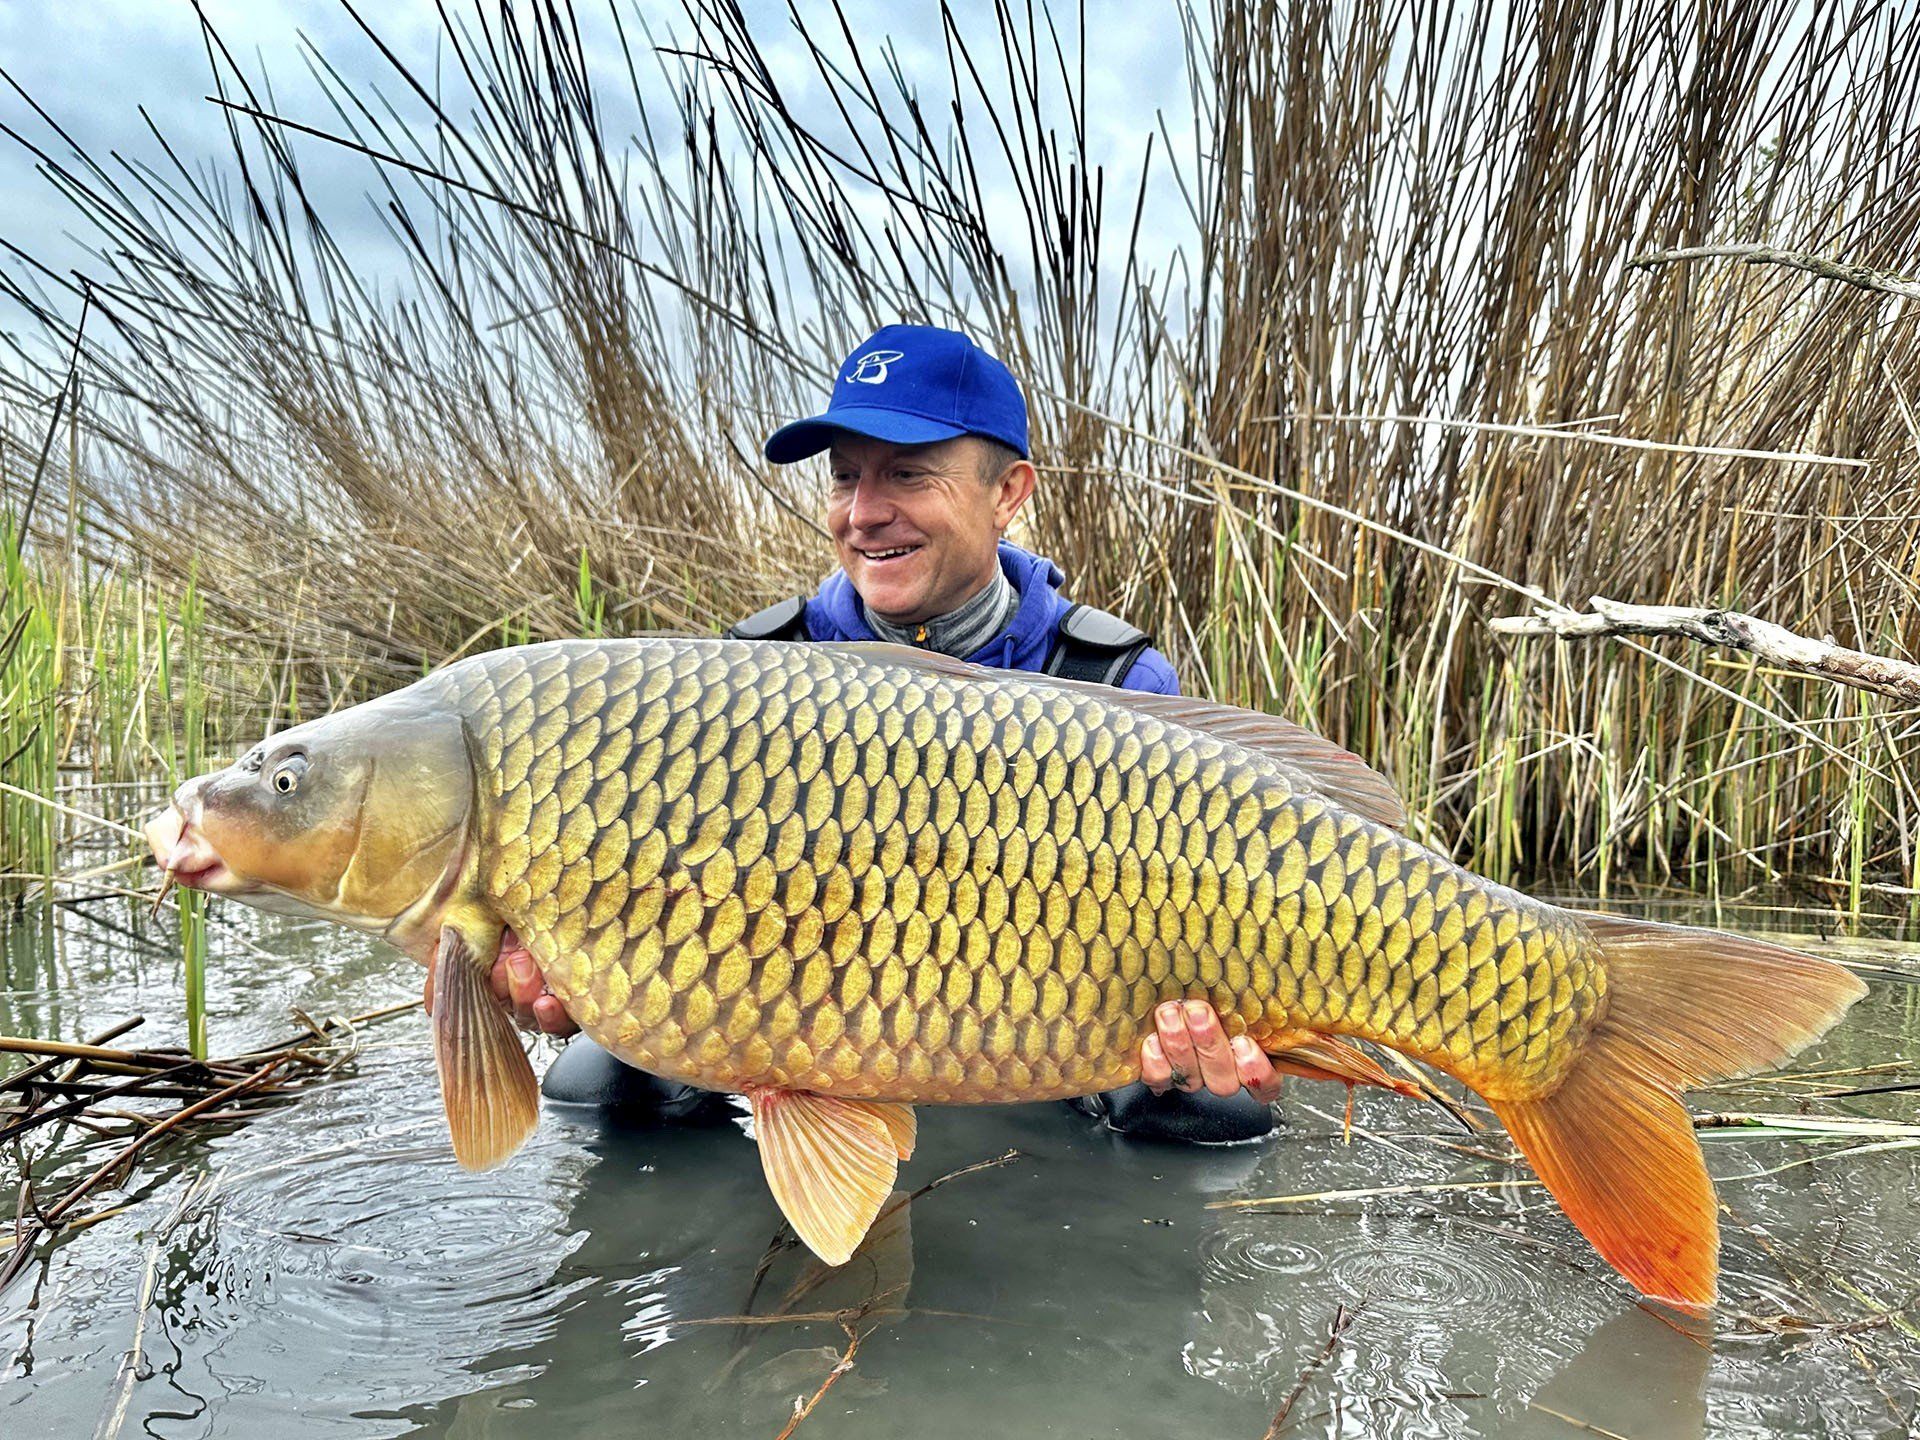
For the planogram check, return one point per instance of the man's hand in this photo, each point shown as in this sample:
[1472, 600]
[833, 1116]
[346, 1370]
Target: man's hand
[518, 985]
[1188, 1050]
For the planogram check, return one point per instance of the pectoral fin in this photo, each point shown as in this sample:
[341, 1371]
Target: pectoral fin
[492, 1099]
[830, 1163]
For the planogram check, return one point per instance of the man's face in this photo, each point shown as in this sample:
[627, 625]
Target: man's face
[917, 525]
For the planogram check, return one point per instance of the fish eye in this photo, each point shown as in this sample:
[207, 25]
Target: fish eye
[288, 773]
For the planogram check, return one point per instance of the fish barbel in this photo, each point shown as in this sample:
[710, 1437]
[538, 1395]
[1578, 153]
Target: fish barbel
[847, 879]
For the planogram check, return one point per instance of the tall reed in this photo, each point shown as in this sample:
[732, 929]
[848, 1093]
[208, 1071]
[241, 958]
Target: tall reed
[29, 728]
[181, 687]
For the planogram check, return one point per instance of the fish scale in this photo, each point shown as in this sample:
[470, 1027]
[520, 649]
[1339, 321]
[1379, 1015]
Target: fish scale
[795, 866]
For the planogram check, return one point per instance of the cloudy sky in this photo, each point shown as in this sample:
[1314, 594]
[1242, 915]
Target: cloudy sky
[96, 67]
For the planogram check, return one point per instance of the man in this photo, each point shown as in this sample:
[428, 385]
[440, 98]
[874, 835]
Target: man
[927, 442]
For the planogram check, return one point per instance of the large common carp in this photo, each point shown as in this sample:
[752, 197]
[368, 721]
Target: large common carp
[847, 879]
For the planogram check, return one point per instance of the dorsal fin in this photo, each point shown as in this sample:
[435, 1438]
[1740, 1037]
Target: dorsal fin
[1310, 761]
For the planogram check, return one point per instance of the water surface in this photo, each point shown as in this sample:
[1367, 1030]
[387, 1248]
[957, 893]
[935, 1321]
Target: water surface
[348, 1279]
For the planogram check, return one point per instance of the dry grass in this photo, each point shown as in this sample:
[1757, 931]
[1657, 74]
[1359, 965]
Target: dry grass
[1383, 217]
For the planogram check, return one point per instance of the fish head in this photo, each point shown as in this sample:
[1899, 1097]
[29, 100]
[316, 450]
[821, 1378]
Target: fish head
[364, 818]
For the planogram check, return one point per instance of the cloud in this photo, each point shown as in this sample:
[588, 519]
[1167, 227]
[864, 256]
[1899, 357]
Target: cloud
[95, 68]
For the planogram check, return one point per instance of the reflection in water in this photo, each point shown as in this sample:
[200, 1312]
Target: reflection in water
[353, 1282]
[1638, 1375]
[710, 1266]
[873, 1289]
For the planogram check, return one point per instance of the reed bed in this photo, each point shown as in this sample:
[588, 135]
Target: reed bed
[1334, 367]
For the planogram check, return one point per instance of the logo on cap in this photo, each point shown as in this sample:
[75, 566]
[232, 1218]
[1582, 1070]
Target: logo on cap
[871, 368]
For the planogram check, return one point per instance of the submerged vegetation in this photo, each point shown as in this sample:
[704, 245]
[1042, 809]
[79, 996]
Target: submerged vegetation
[86, 1113]
[1324, 375]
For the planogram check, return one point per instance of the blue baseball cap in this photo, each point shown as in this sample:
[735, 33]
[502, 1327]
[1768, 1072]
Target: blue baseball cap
[912, 385]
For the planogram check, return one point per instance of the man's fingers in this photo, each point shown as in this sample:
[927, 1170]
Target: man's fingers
[1170, 1020]
[1256, 1070]
[551, 1016]
[525, 982]
[1218, 1070]
[499, 980]
[1155, 1072]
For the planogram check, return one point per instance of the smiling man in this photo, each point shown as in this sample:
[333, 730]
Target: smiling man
[926, 438]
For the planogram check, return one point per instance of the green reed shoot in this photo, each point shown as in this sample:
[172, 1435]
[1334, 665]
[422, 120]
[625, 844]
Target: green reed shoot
[589, 602]
[1859, 817]
[182, 688]
[29, 720]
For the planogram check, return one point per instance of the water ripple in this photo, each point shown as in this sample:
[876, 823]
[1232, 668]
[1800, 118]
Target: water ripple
[352, 1238]
[1239, 1256]
[385, 1250]
[1417, 1275]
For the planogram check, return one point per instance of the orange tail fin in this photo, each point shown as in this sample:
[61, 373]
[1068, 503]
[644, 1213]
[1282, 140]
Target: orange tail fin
[1613, 1143]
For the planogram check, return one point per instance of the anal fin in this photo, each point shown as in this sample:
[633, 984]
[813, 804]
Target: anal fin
[1323, 1057]
[830, 1163]
[486, 1082]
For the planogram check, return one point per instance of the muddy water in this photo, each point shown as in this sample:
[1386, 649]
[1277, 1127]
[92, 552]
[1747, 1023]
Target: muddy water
[347, 1279]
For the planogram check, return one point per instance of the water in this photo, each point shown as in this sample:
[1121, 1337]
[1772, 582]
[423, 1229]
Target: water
[348, 1279]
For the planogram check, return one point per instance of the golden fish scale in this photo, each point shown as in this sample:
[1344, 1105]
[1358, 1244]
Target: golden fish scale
[787, 865]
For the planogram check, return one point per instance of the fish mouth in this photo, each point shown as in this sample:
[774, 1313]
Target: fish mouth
[187, 857]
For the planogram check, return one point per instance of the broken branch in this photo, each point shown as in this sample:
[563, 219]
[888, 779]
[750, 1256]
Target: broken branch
[1343, 1318]
[1772, 643]
[1858, 276]
[802, 1409]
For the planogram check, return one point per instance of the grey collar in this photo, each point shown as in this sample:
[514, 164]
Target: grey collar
[959, 632]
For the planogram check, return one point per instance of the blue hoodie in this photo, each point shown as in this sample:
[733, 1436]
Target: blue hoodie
[834, 614]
